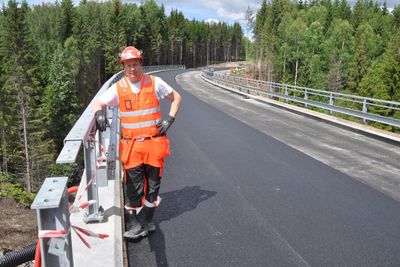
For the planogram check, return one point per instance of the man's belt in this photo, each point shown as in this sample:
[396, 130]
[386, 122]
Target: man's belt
[141, 139]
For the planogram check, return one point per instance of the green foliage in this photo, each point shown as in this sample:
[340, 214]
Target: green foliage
[60, 99]
[67, 18]
[115, 39]
[15, 191]
[326, 44]
[69, 170]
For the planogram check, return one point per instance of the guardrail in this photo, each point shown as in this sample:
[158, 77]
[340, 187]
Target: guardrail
[51, 202]
[364, 108]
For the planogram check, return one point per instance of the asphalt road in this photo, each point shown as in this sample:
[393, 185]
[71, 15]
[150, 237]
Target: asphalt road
[252, 185]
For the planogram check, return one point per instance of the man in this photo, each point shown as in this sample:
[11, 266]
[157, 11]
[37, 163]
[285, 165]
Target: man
[143, 143]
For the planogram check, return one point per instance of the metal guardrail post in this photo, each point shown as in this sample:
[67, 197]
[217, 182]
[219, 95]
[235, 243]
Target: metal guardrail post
[51, 205]
[286, 93]
[364, 110]
[94, 212]
[330, 102]
[305, 96]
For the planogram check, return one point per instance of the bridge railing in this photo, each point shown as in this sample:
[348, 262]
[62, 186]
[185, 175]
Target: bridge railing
[100, 166]
[364, 108]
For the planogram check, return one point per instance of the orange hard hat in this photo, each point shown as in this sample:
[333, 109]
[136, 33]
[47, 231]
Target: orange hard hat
[130, 52]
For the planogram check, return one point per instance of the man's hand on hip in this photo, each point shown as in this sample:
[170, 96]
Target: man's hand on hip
[163, 125]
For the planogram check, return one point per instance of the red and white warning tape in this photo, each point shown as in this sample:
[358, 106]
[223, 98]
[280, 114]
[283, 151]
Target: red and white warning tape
[64, 233]
[75, 207]
[53, 233]
[88, 233]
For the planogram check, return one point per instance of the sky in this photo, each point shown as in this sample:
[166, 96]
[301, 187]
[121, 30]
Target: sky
[225, 10]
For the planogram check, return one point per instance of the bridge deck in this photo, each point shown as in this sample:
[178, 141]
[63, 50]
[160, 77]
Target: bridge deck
[281, 189]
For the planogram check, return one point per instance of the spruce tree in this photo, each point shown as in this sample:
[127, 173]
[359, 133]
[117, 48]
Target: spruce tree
[115, 40]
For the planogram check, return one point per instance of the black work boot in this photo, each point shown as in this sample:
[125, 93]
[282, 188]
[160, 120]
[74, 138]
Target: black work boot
[136, 228]
[149, 213]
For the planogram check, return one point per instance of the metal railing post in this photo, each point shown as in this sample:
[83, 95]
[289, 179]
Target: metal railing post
[51, 205]
[95, 212]
[305, 96]
[330, 102]
[286, 93]
[364, 110]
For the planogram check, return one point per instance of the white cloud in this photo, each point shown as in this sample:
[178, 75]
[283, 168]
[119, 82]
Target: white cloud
[222, 12]
[231, 9]
[211, 21]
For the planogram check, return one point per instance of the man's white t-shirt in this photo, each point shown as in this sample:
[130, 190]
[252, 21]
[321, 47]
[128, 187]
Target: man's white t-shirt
[110, 96]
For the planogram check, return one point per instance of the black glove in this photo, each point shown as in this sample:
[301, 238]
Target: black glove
[101, 120]
[163, 125]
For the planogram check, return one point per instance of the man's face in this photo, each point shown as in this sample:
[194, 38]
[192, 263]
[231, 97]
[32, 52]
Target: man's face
[133, 69]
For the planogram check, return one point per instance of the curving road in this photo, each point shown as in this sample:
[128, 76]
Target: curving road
[250, 184]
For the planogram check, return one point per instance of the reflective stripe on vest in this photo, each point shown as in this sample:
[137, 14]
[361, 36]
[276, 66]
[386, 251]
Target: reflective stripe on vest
[138, 124]
[139, 113]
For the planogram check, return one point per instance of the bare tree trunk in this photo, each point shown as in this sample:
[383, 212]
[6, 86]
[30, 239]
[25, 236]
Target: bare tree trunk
[208, 53]
[215, 52]
[99, 70]
[237, 50]
[260, 64]
[284, 64]
[172, 52]
[271, 70]
[181, 53]
[28, 171]
[247, 51]
[3, 137]
[297, 66]
[194, 55]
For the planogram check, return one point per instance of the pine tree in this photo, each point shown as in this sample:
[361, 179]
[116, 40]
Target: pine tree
[396, 15]
[115, 40]
[60, 99]
[154, 18]
[67, 18]
[345, 10]
[133, 25]
[367, 48]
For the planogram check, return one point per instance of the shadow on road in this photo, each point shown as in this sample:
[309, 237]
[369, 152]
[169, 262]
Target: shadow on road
[173, 204]
[177, 202]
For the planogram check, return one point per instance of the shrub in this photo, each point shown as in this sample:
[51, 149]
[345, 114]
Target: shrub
[14, 190]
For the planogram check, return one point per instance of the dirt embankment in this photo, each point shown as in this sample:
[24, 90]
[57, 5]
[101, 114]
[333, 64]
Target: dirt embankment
[18, 225]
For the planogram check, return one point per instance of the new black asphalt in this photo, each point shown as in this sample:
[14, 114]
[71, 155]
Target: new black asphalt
[234, 196]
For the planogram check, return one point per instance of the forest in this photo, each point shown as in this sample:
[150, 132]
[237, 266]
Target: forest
[54, 57]
[329, 45]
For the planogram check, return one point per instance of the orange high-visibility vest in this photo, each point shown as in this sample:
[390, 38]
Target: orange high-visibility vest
[139, 113]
